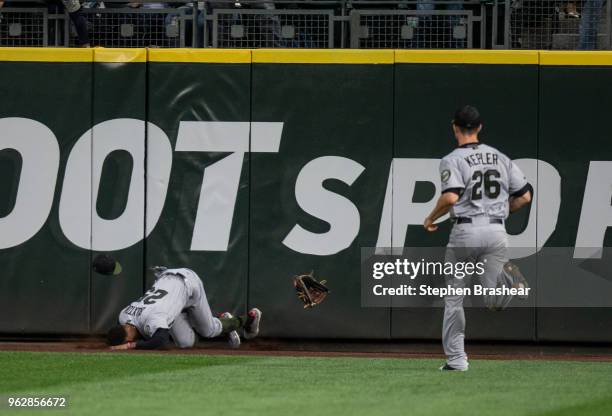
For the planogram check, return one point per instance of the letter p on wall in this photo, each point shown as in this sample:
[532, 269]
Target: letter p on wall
[399, 211]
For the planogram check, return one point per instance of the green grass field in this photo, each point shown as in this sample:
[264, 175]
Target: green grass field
[154, 384]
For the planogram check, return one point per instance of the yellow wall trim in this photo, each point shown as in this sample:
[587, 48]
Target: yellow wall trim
[494, 57]
[575, 58]
[117, 55]
[46, 54]
[309, 56]
[322, 56]
[232, 56]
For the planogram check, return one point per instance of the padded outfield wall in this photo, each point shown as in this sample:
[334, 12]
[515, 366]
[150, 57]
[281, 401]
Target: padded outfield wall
[252, 166]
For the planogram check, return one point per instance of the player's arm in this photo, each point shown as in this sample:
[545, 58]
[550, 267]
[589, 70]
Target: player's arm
[521, 191]
[160, 338]
[452, 188]
[521, 198]
[443, 206]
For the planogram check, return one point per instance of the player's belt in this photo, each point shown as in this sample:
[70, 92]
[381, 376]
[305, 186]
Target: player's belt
[466, 220]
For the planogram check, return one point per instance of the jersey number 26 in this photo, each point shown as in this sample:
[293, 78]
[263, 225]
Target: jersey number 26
[486, 181]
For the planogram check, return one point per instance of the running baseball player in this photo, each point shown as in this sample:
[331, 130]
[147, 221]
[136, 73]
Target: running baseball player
[176, 307]
[480, 187]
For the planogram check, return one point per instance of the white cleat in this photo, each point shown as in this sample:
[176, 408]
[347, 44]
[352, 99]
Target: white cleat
[252, 329]
[232, 337]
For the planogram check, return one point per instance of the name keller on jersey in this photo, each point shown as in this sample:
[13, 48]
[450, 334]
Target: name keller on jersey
[39, 150]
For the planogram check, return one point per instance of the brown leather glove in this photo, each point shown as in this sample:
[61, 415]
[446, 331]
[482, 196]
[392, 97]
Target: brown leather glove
[309, 290]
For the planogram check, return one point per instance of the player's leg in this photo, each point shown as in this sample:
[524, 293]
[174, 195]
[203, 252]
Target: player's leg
[251, 323]
[494, 257]
[453, 326]
[233, 337]
[202, 319]
[513, 277]
[453, 332]
[182, 333]
[200, 315]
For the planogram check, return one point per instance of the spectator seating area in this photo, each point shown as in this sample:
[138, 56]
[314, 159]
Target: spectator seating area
[400, 24]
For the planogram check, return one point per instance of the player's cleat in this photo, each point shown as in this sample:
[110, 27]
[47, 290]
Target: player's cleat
[251, 329]
[232, 337]
[519, 280]
[447, 367]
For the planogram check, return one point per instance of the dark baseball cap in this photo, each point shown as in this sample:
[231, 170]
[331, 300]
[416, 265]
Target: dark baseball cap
[105, 264]
[467, 117]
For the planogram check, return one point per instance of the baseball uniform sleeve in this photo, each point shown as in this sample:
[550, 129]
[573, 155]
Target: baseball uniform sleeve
[518, 184]
[450, 176]
[155, 322]
[160, 338]
[124, 318]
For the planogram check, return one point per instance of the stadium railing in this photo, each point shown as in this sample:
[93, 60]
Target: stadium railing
[132, 28]
[24, 26]
[398, 24]
[553, 24]
[279, 24]
[420, 24]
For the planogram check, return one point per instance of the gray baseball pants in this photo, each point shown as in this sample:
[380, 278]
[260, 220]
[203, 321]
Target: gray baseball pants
[197, 318]
[479, 241]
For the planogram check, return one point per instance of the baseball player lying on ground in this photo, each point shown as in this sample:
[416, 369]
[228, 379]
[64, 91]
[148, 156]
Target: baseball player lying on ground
[176, 307]
[480, 187]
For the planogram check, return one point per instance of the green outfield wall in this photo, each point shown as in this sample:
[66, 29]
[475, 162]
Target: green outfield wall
[252, 166]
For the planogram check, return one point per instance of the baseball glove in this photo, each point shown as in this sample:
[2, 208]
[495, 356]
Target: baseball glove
[309, 290]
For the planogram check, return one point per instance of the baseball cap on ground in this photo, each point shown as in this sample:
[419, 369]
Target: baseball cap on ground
[105, 264]
[467, 117]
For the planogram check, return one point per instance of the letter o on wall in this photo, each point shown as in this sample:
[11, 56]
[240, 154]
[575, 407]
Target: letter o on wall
[78, 218]
[40, 156]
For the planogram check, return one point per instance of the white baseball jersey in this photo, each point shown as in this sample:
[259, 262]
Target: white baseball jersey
[171, 293]
[483, 177]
